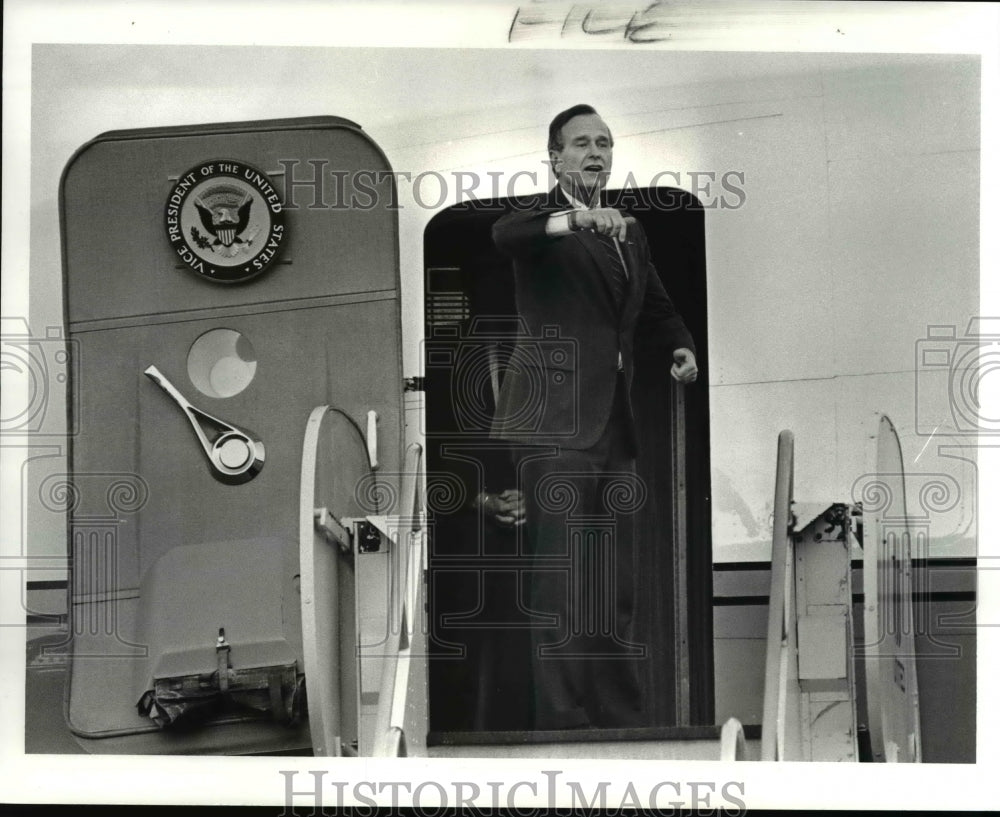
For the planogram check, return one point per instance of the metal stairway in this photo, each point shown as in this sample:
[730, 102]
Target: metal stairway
[812, 692]
[811, 707]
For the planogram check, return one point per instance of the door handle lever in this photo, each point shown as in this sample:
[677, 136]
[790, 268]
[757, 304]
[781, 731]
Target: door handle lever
[235, 455]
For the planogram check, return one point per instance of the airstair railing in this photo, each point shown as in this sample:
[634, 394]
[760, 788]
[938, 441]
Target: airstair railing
[732, 741]
[780, 607]
[678, 481]
[405, 613]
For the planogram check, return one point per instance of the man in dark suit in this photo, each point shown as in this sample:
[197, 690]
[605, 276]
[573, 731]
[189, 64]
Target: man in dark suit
[587, 293]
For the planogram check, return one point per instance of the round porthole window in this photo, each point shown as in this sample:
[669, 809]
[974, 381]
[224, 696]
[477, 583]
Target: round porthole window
[221, 363]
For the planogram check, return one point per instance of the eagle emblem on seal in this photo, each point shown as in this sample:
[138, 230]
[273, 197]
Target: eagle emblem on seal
[224, 211]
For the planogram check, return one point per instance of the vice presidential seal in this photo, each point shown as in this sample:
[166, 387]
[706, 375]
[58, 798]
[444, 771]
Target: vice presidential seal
[224, 220]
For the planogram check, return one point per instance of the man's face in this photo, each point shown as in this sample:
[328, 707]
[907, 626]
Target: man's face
[584, 163]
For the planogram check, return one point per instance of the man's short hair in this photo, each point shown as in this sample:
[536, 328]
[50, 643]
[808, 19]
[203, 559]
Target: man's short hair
[556, 126]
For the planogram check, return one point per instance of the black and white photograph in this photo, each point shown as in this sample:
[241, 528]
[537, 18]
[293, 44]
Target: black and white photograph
[500, 405]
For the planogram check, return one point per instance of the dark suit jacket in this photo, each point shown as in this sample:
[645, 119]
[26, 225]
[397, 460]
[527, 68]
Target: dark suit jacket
[560, 384]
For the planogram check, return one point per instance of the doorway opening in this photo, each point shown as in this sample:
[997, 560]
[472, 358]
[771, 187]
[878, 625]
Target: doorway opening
[479, 672]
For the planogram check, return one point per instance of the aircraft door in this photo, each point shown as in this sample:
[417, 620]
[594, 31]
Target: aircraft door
[219, 289]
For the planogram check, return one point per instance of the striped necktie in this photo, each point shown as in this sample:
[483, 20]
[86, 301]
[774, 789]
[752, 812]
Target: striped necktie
[619, 274]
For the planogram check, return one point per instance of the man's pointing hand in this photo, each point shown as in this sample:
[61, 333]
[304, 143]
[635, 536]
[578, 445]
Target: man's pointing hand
[605, 220]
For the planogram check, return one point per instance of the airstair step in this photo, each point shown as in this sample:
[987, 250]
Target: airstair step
[649, 743]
